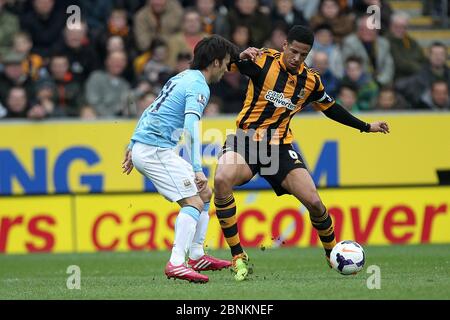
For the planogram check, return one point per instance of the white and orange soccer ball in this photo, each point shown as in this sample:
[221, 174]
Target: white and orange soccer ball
[347, 257]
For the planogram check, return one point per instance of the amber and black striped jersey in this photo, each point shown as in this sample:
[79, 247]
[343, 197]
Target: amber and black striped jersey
[274, 96]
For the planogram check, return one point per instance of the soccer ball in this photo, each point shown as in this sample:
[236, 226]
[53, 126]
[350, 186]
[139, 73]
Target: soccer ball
[347, 257]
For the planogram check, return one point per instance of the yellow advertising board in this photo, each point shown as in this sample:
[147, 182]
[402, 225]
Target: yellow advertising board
[75, 157]
[123, 222]
[36, 224]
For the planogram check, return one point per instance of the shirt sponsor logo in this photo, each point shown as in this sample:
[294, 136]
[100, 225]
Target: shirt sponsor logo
[279, 100]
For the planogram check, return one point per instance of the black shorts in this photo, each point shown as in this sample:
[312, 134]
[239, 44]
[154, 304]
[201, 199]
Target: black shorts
[272, 162]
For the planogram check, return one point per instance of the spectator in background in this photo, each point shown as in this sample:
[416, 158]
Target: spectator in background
[407, 53]
[33, 63]
[9, 26]
[361, 6]
[87, 113]
[247, 12]
[320, 63]
[389, 100]
[415, 87]
[347, 97]
[44, 23]
[185, 40]
[330, 13]
[277, 37]
[285, 11]
[14, 76]
[240, 36]
[157, 71]
[374, 50]
[116, 43]
[158, 47]
[158, 18]
[77, 47]
[67, 93]
[355, 76]
[437, 98]
[309, 8]
[106, 91]
[44, 104]
[117, 25]
[141, 89]
[183, 63]
[16, 103]
[213, 20]
[144, 102]
[214, 107]
[324, 42]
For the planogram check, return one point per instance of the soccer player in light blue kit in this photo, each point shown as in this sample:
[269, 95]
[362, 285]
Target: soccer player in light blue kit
[178, 109]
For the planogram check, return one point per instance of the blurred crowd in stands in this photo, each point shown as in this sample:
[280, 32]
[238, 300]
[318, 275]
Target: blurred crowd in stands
[116, 62]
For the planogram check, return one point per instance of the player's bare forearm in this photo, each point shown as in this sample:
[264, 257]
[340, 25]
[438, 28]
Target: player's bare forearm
[339, 114]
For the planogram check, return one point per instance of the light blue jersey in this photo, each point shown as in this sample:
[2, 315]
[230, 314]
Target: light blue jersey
[162, 123]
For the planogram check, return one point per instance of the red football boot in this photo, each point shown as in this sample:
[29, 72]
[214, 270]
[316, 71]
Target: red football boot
[208, 263]
[184, 273]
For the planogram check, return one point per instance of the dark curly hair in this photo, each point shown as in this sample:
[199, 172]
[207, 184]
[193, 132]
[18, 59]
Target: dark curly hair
[301, 34]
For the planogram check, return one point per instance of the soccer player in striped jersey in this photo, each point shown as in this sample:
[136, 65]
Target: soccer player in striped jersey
[280, 86]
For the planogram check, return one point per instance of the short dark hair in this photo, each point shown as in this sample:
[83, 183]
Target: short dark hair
[212, 48]
[184, 56]
[280, 26]
[438, 81]
[58, 54]
[353, 58]
[348, 85]
[323, 26]
[437, 44]
[157, 42]
[387, 88]
[301, 34]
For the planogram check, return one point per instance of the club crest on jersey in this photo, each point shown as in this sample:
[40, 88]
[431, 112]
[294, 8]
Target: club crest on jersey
[201, 99]
[301, 95]
[279, 100]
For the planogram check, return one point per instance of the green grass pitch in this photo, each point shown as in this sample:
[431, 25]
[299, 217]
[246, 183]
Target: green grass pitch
[407, 272]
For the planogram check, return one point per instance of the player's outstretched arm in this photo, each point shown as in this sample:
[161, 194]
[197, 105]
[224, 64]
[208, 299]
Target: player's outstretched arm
[337, 113]
[245, 62]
